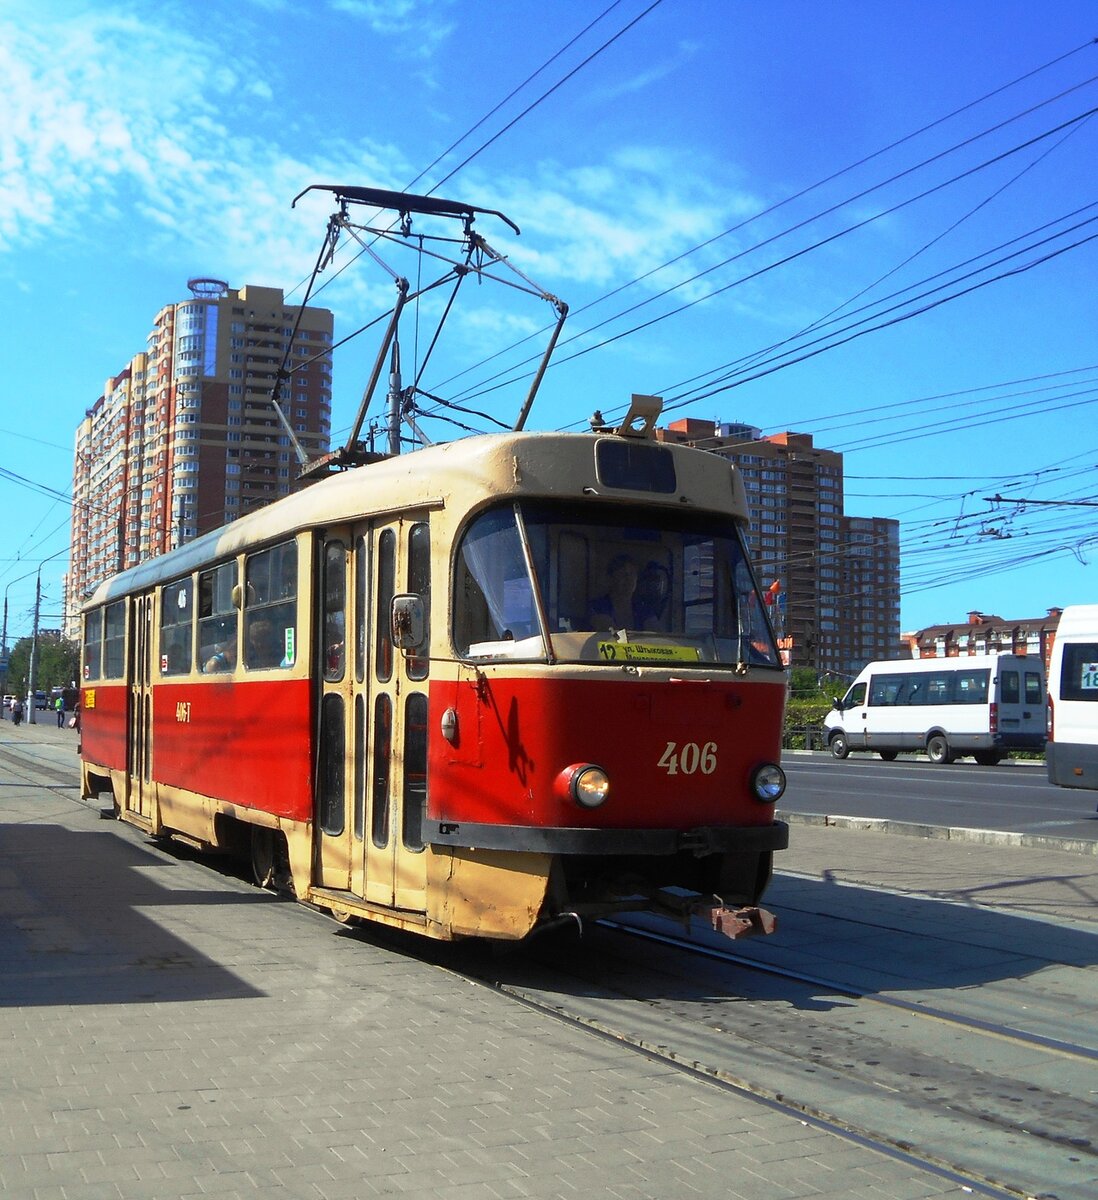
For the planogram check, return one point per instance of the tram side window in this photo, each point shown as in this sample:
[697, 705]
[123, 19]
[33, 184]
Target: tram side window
[176, 619]
[270, 609]
[386, 574]
[414, 800]
[114, 640]
[419, 582]
[362, 604]
[217, 632]
[335, 610]
[93, 643]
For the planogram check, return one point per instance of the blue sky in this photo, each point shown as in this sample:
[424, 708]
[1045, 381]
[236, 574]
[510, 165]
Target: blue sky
[702, 182]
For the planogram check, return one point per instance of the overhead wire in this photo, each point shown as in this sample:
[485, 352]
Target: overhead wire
[831, 209]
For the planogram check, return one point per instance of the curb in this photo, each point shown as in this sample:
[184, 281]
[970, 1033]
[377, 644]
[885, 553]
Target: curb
[1009, 763]
[981, 837]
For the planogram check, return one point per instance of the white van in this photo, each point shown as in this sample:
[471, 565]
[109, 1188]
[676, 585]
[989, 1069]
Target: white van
[980, 704]
[1072, 751]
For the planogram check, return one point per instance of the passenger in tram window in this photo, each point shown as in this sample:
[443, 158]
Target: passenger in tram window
[619, 607]
[264, 650]
[224, 657]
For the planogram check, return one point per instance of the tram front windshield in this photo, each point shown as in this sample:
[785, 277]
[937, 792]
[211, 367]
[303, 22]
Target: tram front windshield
[578, 583]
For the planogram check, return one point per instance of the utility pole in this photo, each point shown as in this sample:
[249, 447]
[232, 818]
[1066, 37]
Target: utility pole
[32, 680]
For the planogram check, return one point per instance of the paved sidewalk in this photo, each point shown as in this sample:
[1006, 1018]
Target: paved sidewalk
[172, 1032]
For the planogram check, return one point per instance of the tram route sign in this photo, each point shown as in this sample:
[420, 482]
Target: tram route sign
[647, 652]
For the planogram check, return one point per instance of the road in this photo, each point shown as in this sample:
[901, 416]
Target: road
[1010, 798]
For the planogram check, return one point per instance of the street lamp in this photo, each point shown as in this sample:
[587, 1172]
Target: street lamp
[4, 635]
[32, 717]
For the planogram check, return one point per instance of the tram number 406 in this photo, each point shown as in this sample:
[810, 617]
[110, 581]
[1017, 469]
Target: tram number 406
[689, 758]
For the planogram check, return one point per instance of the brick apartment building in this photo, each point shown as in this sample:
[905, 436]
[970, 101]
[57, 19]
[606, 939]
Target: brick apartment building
[984, 634]
[837, 602]
[185, 437]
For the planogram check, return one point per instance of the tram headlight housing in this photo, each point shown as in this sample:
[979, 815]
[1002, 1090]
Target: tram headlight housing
[768, 783]
[585, 784]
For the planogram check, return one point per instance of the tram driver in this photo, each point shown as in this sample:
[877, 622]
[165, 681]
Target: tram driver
[623, 605]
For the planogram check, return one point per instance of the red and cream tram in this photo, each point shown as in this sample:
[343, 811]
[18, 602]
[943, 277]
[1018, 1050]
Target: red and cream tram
[468, 691]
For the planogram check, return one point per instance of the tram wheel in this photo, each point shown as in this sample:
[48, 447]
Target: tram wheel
[263, 856]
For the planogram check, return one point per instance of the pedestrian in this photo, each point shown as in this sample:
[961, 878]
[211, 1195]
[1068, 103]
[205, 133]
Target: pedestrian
[59, 705]
[16, 711]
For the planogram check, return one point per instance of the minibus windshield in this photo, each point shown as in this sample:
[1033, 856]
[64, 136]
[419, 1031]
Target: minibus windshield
[585, 583]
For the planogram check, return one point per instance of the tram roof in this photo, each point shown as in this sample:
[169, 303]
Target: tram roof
[468, 471]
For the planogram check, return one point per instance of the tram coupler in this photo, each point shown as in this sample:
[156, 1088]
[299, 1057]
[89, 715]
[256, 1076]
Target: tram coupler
[746, 921]
[737, 922]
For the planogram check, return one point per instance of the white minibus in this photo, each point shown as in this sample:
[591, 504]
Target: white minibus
[1072, 751]
[980, 704]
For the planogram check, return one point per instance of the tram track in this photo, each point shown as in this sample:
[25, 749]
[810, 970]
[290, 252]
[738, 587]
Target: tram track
[966, 1180]
[915, 1007]
[20, 766]
[998, 1110]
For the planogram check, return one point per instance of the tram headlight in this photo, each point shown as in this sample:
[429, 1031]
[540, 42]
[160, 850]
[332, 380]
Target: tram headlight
[768, 783]
[584, 783]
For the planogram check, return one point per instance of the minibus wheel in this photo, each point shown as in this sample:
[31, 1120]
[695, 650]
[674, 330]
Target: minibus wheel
[887, 755]
[839, 745]
[937, 749]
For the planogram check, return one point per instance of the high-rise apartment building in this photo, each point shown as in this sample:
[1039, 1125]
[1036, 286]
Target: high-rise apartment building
[833, 579]
[185, 437]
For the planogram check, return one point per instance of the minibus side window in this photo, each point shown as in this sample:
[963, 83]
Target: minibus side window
[1079, 673]
[971, 687]
[885, 689]
[1010, 687]
[1034, 690]
[856, 697]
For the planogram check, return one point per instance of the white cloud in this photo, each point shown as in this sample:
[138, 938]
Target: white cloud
[96, 132]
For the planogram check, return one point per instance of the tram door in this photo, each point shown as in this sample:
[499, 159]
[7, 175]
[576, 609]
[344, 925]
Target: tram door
[393, 776]
[333, 839]
[139, 798]
[371, 785]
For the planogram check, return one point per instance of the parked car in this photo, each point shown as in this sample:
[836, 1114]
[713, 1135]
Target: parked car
[40, 700]
[8, 701]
